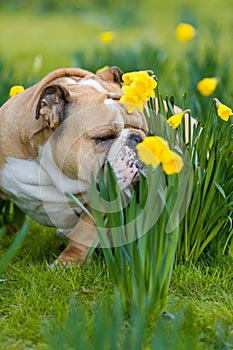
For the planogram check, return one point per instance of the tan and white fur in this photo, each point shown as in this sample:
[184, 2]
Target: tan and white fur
[57, 133]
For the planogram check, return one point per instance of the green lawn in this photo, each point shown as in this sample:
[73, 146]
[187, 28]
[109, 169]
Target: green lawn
[33, 295]
[26, 33]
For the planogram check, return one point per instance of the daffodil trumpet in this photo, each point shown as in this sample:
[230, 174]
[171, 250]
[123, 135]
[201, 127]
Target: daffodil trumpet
[154, 150]
[175, 120]
[223, 111]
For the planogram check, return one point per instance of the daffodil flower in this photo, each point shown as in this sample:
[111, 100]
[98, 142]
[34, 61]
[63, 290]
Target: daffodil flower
[223, 111]
[133, 102]
[137, 87]
[174, 165]
[175, 120]
[207, 86]
[154, 150]
[147, 155]
[106, 37]
[16, 89]
[142, 76]
[156, 145]
[185, 32]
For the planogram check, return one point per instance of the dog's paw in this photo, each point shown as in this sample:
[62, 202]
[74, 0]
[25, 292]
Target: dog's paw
[57, 265]
[71, 256]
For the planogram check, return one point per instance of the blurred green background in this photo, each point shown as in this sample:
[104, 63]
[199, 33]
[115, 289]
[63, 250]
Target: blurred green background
[54, 30]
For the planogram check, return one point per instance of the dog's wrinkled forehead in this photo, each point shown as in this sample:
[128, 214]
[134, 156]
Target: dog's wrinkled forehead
[106, 81]
[92, 89]
[73, 91]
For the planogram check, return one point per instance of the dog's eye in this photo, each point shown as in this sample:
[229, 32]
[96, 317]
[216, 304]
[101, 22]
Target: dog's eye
[105, 138]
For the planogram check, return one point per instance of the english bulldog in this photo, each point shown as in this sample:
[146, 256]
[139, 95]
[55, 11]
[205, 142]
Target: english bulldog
[57, 133]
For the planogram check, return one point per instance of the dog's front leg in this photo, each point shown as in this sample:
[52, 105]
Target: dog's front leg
[80, 240]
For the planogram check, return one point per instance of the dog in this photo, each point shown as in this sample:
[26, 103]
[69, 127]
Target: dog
[57, 133]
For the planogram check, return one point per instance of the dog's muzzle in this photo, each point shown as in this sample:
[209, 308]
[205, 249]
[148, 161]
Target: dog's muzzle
[126, 163]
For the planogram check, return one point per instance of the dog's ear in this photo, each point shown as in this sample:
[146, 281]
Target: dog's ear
[111, 74]
[51, 105]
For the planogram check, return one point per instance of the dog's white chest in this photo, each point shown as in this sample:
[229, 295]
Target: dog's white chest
[37, 187]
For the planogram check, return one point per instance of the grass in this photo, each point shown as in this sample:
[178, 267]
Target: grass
[27, 33]
[34, 295]
[40, 293]
[205, 289]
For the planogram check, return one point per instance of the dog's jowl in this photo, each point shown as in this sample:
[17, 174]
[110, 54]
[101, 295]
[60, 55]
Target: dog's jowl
[57, 133]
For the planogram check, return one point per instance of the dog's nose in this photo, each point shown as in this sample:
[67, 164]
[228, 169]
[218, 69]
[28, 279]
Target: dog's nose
[134, 138]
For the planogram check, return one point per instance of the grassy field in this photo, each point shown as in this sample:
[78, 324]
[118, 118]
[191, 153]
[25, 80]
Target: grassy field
[83, 308]
[28, 32]
[34, 295]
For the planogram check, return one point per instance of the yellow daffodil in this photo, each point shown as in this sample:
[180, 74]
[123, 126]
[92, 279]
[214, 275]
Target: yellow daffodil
[223, 111]
[137, 86]
[185, 32]
[154, 150]
[133, 102]
[174, 165]
[129, 78]
[141, 76]
[106, 37]
[102, 69]
[16, 90]
[147, 155]
[207, 86]
[156, 145]
[175, 120]
[144, 88]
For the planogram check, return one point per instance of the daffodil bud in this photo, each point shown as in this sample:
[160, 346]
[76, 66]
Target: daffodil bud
[223, 111]
[207, 86]
[185, 32]
[106, 37]
[175, 120]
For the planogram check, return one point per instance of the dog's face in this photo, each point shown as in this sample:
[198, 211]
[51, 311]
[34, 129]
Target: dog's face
[89, 127]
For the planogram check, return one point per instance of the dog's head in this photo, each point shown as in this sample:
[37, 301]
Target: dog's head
[87, 125]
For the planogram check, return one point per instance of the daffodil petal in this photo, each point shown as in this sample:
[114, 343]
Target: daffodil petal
[174, 165]
[154, 150]
[138, 87]
[224, 112]
[147, 156]
[175, 120]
